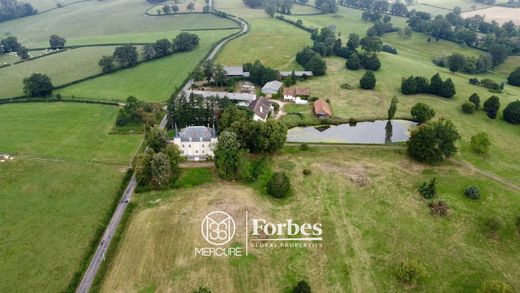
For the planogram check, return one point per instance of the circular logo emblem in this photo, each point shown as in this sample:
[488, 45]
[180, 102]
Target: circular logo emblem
[218, 228]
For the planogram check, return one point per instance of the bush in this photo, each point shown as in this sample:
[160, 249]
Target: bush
[353, 63]
[512, 112]
[480, 143]
[389, 49]
[302, 287]
[422, 113]
[278, 185]
[494, 286]
[346, 86]
[439, 208]
[518, 224]
[304, 147]
[468, 108]
[433, 142]
[307, 172]
[472, 192]
[492, 226]
[490, 84]
[410, 272]
[474, 81]
[368, 81]
[429, 189]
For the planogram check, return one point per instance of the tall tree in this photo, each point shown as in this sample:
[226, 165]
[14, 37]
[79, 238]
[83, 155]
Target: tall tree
[392, 108]
[491, 106]
[37, 85]
[433, 142]
[57, 42]
[126, 55]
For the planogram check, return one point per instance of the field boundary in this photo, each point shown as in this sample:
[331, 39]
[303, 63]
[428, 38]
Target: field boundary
[54, 99]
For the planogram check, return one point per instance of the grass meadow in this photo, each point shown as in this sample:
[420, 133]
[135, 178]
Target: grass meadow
[373, 219]
[58, 189]
[101, 22]
[61, 68]
[151, 81]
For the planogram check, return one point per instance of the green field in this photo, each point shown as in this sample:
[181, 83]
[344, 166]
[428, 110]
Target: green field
[42, 5]
[97, 22]
[373, 219]
[61, 68]
[57, 190]
[445, 6]
[273, 42]
[152, 81]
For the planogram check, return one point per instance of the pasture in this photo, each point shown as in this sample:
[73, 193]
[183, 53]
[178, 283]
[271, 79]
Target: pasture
[443, 7]
[101, 22]
[58, 189]
[273, 42]
[153, 81]
[373, 219]
[62, 68]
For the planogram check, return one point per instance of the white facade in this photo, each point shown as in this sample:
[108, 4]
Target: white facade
[296, 100]
[196, 150]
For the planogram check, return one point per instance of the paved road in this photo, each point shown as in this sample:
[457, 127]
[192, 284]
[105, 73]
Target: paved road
[99, 256]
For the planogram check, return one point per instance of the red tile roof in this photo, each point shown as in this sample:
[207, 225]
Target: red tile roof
[297, 91]
[322, 108]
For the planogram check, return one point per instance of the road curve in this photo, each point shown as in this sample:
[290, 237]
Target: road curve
[99, 256]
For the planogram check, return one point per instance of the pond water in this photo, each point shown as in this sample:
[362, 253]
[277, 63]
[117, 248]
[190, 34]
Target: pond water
[376, 132]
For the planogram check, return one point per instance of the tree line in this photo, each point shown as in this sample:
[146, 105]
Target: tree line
[436, 86]
[127, 55]
[11, 44]
[11, 9]
[378, 6]
[499, 41]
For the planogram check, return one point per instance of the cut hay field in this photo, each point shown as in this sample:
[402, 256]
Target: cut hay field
[273, 42]
[498, 14]
[61, 68]
[445, 6]
[42, 5]
[58, 189]
[372, 217]
[151, 81]
[97, 22]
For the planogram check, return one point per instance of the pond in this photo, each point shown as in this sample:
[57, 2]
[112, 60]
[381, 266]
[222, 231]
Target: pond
[376, 132]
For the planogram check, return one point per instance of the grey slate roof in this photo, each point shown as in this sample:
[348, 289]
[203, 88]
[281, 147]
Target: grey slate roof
[246, 97]
[197, 133]
[261, 107]
[296, 73]
[272, 87]
[235, 71]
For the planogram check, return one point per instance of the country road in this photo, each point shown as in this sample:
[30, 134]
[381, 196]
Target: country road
[99, 255]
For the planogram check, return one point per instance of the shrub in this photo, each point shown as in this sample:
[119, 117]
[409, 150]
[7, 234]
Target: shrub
[480, 143]
[410, 272]
[468, 108]
[472, 192]
[371, 62]
[491, 107]
[494, 286]
[202, 290]
[307, 172]
[346, 86]
[353, 63]
[368, 81]
[512, 112]
[304, 147]
[475, 99]
[278, 185]
[518, 224]
[490, 84]
[492, 226]
[302, 287]
[389, 49]
[474, 81]
[439, 208]
[422, 113]
[429, 189]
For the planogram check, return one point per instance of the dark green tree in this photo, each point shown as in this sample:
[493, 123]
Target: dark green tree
[353, 62]
[107, 64]
[368, 81]
[37, 85]
[514, 77]
[409, 86]
[126, 56]
[57, 42]
[371, 62]
[156, 139]
[10, 44]
[317, 65]
[353, 42]
[448, 89]
[162, 48]
[433, 142]
[422, 113]
[148, 52]
[436, 84]
[512, 112]
[23, 53]
[499, 53]
[185, 42]
[392, 109]
[456, 62]
[468, 108]
[491, 106]
[475, 99]
[230, 159]
[373, 44]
